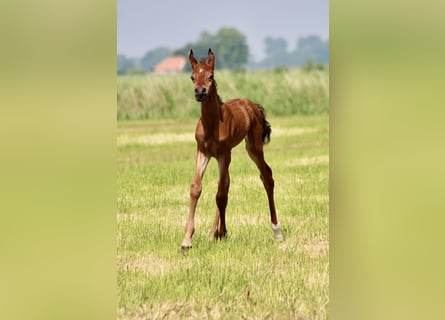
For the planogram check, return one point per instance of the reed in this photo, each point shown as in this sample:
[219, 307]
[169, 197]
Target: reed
[282, 92]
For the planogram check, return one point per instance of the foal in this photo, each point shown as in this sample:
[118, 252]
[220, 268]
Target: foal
[221, 127]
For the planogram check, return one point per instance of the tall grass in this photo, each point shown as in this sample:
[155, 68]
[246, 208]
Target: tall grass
[282, 92]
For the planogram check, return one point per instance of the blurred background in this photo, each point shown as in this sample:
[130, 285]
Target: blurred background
[243, 34]
[276, 54]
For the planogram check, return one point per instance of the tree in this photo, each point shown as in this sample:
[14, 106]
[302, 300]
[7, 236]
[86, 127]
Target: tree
[310, 51]
[229, 45]
[275, 46]
[153, 57]
[276, 53]
[312, 48]
[232, 48]
[124, 64]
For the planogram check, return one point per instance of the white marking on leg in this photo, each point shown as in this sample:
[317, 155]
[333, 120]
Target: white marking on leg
[276, 228]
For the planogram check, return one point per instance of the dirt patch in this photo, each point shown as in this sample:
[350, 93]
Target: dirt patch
[156, 139]
[148, 264]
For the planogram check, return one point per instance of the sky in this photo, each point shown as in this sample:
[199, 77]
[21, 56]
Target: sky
[144, 25]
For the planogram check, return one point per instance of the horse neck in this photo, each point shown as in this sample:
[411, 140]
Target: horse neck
[211, 110]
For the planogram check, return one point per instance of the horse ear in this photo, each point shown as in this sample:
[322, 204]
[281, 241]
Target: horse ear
[192, 59]
[211, 58]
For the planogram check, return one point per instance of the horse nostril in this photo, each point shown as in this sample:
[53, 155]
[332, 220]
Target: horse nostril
[200, 90]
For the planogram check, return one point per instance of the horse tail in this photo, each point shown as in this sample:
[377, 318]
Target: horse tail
[265, 134]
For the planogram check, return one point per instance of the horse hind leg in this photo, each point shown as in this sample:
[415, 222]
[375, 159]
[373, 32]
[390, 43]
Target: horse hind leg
[254, 148]
[214, 231]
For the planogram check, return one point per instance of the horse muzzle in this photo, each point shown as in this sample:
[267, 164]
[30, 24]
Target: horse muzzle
[200, 94]
[200, 97]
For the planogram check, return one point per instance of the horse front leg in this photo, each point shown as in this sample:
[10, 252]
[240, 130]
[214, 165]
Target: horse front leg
[195, 191]
[221, 198]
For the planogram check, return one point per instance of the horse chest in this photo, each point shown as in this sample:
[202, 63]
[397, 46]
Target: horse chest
[214, 147]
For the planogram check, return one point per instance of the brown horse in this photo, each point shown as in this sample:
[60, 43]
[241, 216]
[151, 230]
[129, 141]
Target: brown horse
[221, 127]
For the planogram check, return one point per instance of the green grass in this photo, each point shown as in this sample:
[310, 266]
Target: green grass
[281, 92]
[248, 275]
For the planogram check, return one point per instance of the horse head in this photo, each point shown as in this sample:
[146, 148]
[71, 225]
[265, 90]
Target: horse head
[202, 74]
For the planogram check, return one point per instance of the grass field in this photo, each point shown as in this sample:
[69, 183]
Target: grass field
[246, 276]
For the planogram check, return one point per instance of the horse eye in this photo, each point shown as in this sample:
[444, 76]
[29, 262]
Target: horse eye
[193, 79]
[211, 78]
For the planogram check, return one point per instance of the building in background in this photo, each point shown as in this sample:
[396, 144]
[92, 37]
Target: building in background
[171, 64]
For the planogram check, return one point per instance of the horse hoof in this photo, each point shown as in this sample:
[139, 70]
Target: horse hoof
[184, 249]
[279, 237]
[221, 236]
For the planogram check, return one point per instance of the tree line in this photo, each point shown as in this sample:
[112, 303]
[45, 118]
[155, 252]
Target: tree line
[233, 52]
